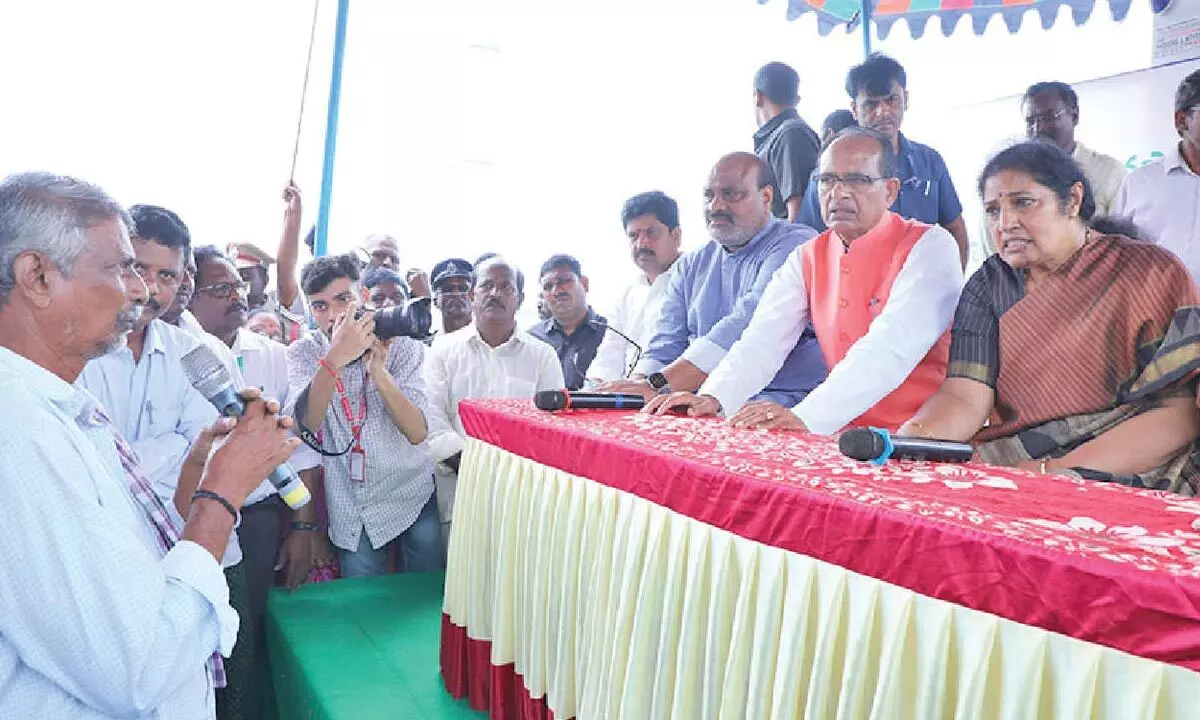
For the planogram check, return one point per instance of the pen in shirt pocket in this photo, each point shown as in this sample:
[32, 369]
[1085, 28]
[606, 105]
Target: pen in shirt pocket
[150, 413]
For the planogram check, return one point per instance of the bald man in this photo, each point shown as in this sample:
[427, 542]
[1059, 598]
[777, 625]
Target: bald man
[714, 290]
[381, 251]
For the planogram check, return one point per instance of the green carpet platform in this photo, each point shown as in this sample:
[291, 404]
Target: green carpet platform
[364, 649]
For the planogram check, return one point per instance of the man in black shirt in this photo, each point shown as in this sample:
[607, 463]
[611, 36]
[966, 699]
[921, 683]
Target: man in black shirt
[574, 330]
[783, 139]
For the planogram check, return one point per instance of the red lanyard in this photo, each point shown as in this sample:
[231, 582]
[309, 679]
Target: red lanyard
[355, 425]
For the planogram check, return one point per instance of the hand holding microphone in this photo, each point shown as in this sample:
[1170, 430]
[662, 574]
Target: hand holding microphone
[210, 378]
[256, 445]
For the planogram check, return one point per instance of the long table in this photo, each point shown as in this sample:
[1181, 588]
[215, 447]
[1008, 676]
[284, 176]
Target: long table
[619, 565]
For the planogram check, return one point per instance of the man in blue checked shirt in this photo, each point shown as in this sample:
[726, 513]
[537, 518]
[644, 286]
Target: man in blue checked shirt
[879, 98]
[714, 290]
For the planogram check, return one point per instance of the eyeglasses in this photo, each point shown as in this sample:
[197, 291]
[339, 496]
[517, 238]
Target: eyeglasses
[225, 290]
[853, 181]
[1044, 118]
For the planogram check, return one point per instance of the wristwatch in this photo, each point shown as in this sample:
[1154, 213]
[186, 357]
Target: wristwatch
[657, 381]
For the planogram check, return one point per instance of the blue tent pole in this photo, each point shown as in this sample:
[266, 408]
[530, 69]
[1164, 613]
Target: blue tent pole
[866, 28]
[321, 244]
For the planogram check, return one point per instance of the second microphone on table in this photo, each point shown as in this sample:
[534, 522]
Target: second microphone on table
[879, 446]
[565, 400]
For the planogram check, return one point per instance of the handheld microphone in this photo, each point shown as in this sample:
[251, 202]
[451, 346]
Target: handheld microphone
[554, 400]
[877, 446]
[210, 378]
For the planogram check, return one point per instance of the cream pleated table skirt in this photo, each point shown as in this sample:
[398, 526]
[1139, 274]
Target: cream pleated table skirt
[610, 606]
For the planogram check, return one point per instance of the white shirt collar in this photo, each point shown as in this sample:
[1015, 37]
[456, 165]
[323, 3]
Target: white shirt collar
[519, 336]
[1174, 159]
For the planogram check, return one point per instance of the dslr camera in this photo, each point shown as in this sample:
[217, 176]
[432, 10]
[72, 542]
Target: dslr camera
[413, 319]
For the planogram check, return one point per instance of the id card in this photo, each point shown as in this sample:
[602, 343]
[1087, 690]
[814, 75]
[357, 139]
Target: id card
[358, 466]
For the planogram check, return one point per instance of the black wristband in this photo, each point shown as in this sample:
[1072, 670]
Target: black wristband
[210, 495]
[305, 526]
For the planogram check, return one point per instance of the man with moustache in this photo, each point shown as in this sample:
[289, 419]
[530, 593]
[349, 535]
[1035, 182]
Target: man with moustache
[880, 291]
[878, 90]
[142, 384]
[114, 605]
[451, 291]
[219, 305]
[574, 329]
[178, 315]
[490, 358]
[380, 250]
[712, 291]
[651, 222]
[151, 401]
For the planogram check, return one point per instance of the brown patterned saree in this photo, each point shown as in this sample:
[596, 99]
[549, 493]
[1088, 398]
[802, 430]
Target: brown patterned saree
[1109, 335]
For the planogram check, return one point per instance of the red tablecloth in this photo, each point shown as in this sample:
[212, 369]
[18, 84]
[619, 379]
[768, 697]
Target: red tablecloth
[1099, 562]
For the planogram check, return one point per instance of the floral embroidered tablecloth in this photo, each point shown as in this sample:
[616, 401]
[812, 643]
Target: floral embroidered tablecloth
[1099, 562]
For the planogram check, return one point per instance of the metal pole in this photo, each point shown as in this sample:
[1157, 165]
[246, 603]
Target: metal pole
[321, 244]
[866, 28]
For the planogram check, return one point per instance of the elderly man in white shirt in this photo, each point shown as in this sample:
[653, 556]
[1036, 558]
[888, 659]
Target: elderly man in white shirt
[114, 608]
[1163, 198]
[880, 292]
[490, 358]
[651, 221]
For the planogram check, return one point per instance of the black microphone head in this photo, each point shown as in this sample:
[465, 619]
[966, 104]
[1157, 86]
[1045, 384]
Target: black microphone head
[205, 371]
[550, 399]
[861, 444]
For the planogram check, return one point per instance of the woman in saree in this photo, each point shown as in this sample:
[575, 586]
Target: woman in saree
[1071, 351]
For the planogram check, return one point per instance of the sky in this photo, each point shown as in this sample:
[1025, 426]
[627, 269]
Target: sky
[517, 127]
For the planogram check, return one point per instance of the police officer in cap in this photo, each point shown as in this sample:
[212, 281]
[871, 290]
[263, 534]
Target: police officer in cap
[451, 286]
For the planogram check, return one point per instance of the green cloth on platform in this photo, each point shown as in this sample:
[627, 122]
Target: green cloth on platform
[361, 649]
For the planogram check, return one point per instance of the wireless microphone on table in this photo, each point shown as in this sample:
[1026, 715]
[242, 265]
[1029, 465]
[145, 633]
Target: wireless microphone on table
[878, 446]
[554, 400]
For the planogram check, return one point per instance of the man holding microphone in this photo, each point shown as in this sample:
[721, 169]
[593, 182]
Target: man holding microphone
[114, 605]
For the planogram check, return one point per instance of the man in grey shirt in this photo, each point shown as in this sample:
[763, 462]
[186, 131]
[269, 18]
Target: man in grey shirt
[783, 139]
[367, 400]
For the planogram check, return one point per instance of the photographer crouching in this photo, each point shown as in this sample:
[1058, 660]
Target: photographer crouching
[355, 386]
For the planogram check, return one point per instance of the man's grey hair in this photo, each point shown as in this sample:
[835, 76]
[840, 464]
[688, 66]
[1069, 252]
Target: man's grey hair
[49, 214]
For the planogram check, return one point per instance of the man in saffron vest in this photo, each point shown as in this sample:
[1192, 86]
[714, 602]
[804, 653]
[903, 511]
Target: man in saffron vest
[880, 292]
